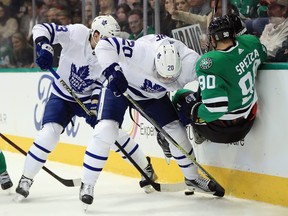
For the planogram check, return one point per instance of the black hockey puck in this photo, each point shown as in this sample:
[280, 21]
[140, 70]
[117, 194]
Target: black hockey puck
[188, 193]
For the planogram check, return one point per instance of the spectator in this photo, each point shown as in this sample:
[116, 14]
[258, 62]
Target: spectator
[282, 53]
[151, 13]
[107, 7]
[168, 24]
[200, 7]
[8, 25]
[133, 3]
[52, 15]
[246, 8]
[76, 17]
[135, 20]
[64, 17]
[275, 33]
[182, 5]
[122, 12]
[88, 14]
[13, 6]
[257, 24]
[202, 20]
[73, 7]
[5, 52]
[26, 21]
[22, 52]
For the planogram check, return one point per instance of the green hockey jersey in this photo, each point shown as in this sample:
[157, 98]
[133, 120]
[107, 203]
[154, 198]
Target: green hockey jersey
[227, 79]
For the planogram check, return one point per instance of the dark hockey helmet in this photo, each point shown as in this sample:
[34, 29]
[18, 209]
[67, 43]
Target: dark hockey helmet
[238, 24]
[221, 28]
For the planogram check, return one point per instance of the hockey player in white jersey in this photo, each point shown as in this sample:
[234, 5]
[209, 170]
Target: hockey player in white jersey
[80, 69]
[148, 69]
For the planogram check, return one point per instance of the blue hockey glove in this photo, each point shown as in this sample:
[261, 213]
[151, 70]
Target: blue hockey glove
[45, 55]
[117, 82]
[183, 101]
[92, 119]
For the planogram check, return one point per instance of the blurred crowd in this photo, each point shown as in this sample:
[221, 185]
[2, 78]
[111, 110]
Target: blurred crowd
[267, 19]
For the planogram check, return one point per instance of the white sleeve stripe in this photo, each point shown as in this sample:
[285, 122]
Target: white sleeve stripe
[217, 109]
[215, 100]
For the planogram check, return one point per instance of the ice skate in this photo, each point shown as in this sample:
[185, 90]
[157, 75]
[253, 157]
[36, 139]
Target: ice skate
[5, 181]
[165, 147]
[22, 190]
[204, 185]
[151, 174]
[86, 195]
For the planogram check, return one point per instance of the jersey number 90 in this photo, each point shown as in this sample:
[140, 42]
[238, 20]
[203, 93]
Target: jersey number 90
[246, 83]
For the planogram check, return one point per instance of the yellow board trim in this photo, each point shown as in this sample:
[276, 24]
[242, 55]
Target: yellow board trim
[240, 184]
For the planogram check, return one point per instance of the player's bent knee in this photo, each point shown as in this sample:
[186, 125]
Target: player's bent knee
[49, 136]
[106, 131]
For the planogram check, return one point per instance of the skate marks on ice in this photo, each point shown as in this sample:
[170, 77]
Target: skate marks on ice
[116, 195]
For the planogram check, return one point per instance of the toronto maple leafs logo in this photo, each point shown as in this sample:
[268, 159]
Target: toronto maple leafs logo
[78, 78]
[149, 87]
[104, 22]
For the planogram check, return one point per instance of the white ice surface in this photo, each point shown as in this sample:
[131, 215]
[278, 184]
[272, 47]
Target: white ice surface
[116, 195]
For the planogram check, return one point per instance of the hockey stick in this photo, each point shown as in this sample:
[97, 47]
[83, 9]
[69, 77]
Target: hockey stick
[66, 182]
[167, 136]
[158, 187]
[64, 84]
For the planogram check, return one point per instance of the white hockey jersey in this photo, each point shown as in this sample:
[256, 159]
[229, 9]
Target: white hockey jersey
[78, 65]
[137, 61]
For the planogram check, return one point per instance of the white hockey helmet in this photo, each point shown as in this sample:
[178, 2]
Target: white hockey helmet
[106, 25]
[168, 63]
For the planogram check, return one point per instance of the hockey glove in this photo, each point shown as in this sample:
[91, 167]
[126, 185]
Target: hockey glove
[117, 82]
[45, 55]
[183, 101]
[92, 119]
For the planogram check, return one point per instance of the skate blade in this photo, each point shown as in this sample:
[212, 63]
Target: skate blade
[148, 189]
[167, 160]
[85, 207]
[199, 190]
[18, 198]
[8, 191]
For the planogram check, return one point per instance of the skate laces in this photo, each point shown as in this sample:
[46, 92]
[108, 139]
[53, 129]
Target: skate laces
[202, 182]
[4, 177]
[149, 172]
[87, 190]
[25, 183]
[164, 145]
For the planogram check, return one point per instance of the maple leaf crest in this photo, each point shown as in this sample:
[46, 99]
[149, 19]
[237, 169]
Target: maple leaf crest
[78, 78]
[149, 87]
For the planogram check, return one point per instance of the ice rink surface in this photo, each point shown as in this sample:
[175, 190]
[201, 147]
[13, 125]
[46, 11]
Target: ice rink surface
[118, 196]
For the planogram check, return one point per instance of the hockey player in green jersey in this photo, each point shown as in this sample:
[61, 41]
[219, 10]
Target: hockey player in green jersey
[225, 110]
[5, 180]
